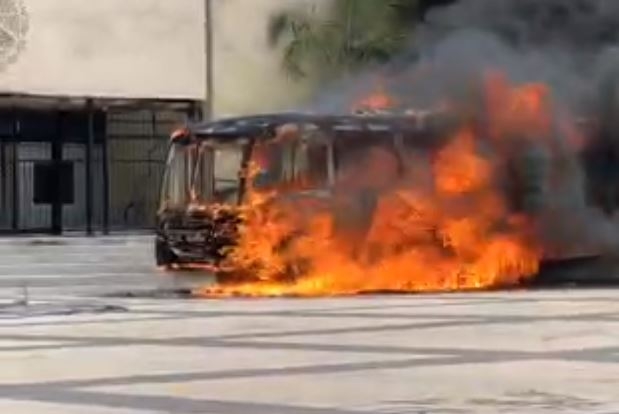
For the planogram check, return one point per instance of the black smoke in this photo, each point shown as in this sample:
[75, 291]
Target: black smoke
[570, 46]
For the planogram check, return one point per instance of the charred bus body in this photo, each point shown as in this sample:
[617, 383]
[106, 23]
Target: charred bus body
[298, 154]
[207, 167]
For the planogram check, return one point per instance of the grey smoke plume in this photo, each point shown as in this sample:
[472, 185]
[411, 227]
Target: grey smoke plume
[247, 70]
[569, 45]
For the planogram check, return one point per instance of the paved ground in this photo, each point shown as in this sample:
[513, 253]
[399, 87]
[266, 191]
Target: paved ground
[72, 351]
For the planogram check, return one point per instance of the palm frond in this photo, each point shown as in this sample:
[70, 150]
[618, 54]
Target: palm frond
[277, 26]
[356, 34]
[292, 60]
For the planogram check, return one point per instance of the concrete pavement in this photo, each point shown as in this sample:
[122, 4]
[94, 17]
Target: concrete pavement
[74, 350]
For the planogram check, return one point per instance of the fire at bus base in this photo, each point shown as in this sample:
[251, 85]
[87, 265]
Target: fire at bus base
[384, 200]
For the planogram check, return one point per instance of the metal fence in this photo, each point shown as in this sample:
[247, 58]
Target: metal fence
[117, 190]
[138, 144]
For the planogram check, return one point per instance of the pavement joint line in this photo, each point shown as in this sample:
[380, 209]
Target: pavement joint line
[428, 356]
[27, 277]
[165, 404]
[472, 318]
[484, 355]
[7, 326]
[313, 369]
[444, 323]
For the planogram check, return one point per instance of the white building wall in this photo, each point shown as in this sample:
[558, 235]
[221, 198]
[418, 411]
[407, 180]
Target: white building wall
[128, 48]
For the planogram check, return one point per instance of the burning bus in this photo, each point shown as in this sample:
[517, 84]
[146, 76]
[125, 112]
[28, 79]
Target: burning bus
[302, 204]
[212, 168]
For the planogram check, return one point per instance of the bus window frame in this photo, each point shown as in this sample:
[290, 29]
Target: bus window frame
[309, 134]
[164, 190]
[192, 162]
[393, 141]
[289, 147]
[242, 144]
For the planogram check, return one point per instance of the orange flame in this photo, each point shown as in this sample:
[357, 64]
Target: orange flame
[379, 100]
[524, 111]
[443, 228]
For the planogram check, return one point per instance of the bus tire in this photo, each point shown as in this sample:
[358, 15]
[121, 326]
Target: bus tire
[164, 257]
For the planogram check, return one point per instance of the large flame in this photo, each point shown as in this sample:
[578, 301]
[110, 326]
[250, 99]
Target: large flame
[446, 225]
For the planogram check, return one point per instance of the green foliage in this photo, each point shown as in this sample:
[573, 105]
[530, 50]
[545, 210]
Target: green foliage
[355, 33]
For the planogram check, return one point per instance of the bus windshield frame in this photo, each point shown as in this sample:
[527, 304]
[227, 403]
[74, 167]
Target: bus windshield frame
[198, 173]
[203, 172]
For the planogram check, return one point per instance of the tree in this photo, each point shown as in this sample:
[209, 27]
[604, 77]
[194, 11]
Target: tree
[354, 34]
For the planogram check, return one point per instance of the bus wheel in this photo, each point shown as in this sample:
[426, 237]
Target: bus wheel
[164, 257]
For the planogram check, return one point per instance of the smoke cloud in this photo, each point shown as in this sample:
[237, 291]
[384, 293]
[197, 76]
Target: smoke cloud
[567, 45]
[247, 70]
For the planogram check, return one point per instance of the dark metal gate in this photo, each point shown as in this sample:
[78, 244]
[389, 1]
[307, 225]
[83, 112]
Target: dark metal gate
[88, 168]
[138, 144]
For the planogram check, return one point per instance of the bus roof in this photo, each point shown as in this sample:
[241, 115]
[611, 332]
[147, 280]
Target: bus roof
[264, 125]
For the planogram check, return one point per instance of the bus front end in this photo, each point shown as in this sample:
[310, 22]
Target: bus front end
[198, 215]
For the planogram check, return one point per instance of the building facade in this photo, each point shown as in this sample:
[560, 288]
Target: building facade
[89, 92]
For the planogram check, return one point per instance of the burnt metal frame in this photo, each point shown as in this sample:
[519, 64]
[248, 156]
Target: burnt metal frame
[262, 127]
[392, 130]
